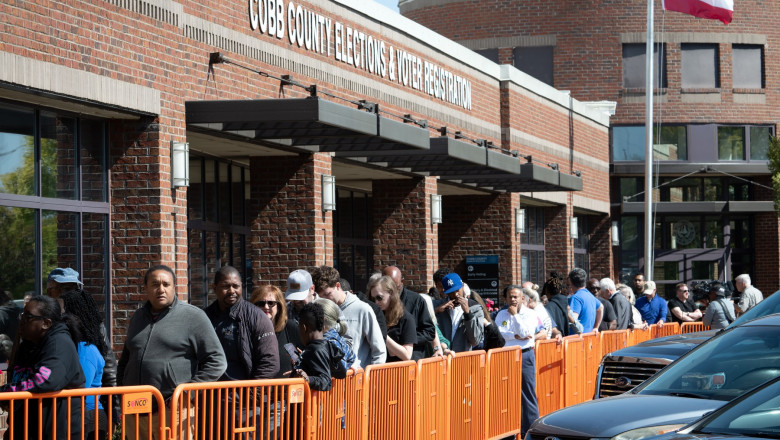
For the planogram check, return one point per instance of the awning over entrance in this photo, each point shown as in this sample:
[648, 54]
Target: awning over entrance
[314, 124]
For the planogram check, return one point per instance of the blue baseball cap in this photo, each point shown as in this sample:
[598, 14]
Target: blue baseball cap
[451, 283]
[64, 275]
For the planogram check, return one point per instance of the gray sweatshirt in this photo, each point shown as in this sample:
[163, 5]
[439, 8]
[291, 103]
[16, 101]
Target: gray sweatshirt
[363, 330]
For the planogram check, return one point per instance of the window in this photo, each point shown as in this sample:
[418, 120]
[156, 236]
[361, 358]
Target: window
[700, 66]
[634, 66]
[731, 143]
[535, 61]
[353, 237]
[217, 228]
[491, 54]
[670, 143]
[748, 66]
[582, 244]
[52, 163]
[532, 246]
[759, 142]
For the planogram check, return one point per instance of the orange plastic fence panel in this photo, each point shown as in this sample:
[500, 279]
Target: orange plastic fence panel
[549, 376]
[260, 409]
[467, 391]
[690, 327]
[390, 391]
[575, 384]
[669, 328]
[337, 412]
[504, 388]
[613, 340]
[592, 349]
[24, 414]
[639, 335]
[433, 411]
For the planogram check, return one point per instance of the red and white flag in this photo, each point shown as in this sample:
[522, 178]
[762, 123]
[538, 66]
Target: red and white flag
[713, 9]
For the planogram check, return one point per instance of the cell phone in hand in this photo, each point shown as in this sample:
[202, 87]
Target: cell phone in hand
[292, 351]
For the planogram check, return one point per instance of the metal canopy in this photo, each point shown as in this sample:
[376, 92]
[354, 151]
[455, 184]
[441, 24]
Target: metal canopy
[324, 126]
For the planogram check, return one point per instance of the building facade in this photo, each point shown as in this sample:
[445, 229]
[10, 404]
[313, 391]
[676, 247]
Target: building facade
[274, 135]
[716, 105]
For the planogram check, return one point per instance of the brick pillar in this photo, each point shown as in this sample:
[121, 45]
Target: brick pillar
[601, 247]
[766, 271]
[558, 246]
[403, 233]
[148, 218]
[481, 225]
[289, 228]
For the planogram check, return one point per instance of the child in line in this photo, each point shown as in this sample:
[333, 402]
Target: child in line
[319, 359]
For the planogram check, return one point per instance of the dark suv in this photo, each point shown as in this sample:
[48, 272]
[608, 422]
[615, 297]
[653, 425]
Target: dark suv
[626, 368]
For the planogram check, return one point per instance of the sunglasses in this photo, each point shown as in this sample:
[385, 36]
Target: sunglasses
[271, 304]
[24, 316]
[377, 298]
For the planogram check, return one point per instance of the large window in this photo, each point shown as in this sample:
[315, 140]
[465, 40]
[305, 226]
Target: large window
[634, 63]
[536, 61]
[217, 227]
[669, 143]
[353, 237]
[748, 66]
[53, 200]
[700, 66]
[532, 247]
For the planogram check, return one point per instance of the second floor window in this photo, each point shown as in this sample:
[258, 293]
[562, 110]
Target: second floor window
[700, 66]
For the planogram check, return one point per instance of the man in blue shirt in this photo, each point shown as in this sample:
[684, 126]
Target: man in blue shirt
[652, 307]
[585, 308]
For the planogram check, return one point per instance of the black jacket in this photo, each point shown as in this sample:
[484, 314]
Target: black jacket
[321, 361]
[256, 337]
[426, 331]
[51, 365]
[557, 307]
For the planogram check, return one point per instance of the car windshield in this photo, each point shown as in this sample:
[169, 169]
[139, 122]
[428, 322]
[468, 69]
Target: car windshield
[768, 306]
[723, 367]
[757, 415]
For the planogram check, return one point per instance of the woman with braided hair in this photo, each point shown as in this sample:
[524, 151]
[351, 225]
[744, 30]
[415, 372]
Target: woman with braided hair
[91, 349]
[557, 289]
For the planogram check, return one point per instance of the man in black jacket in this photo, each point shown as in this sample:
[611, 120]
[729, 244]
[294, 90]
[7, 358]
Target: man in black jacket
[415, 305]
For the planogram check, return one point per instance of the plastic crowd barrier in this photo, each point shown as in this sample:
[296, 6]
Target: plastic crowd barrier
[504, 396]
[690, 327]
[391, 395]
[338, 412]
[549, 376]
[433, 394]
[467, 385]
[592, 347]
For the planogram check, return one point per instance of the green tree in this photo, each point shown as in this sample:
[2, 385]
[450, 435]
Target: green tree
[774, 167]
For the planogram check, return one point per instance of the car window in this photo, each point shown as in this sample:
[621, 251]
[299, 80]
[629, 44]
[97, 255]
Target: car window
[757, 415]
[766, 307]
[723, 367]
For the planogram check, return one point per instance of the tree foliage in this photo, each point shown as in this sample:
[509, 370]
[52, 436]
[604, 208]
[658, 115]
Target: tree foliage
[774, 167]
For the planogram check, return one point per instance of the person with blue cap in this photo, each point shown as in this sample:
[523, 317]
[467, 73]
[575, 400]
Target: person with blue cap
[462, 319]
[61, 280]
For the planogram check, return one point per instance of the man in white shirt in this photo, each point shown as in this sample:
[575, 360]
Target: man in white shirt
[518, 324]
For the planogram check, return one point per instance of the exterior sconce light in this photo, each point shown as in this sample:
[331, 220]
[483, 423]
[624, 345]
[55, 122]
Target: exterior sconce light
[573, 228]
[435, 209]
[180, 164]
[615, 236]
[328, 193]
[519, 221]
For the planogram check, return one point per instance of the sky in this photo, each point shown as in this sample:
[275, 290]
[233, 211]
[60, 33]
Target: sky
[392, 4]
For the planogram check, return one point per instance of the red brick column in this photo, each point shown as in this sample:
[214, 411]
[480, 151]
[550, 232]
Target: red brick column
[558, 246]
[766, 272]
[289, 229]
[481, 225]
[601, 247]
[403, 233]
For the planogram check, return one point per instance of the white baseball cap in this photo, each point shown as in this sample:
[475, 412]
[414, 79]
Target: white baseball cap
[298, 285]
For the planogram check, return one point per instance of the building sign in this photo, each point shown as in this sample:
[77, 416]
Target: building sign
[482, 275]
[318, 33]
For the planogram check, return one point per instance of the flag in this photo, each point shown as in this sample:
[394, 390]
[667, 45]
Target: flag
[713, 9]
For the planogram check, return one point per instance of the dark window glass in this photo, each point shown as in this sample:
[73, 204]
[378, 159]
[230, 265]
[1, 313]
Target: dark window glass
[59, 239]
[237, 195]
[224, 193]
[93, 161]
[534, 227]
[731, 143]
[666, 270]
[634, 66]
[759, 142]
[17, 150]
[17, 251]
[532, 266]
[629, 233]
[629, 187]
[195, 190]
[210, 190]
[59, 166]
[705, 270]
[713, 189]
[669, 143]
[748, 66]
[700, 66]
[536, 61]
[353, 237]
[491, 54]
[94, 244]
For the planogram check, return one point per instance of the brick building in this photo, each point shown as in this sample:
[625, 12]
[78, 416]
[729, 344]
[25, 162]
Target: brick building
[716, 103]
[101, 105]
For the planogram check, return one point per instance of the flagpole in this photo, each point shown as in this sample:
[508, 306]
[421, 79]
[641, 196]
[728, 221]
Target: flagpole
[649, 143]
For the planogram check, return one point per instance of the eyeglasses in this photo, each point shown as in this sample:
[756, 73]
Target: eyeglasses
[686, 290]
[24, 316]
[377, 298]
[270, 304]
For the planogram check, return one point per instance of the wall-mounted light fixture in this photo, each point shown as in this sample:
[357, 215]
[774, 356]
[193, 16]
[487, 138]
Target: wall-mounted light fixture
[574, 231]
[328, 193]
[180, 162]
[519, 221]
[435, 209]
[615, 236]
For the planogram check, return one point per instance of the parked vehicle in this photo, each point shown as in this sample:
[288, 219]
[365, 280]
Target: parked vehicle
[720, 369]
[623, 369]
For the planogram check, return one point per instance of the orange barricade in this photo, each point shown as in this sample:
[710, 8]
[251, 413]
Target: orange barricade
[549, 376]
[271, 408]
[690, 327]
[390, 393]
[592, 359]
[613, 340]
[467, 391]
[504, 392]
[24, 414]
[337, 413]
[575, 385]
[433, 411]
[669, 328]
[639, 335]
